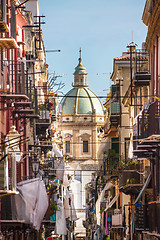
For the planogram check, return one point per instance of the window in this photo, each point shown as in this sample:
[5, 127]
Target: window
[115, 144]
[67, 146]
[85, 146]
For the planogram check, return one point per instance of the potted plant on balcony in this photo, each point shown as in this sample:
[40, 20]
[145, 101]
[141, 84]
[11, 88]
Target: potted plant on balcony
[133, 165]
[131, 181]
[68, 158]
[112, 159]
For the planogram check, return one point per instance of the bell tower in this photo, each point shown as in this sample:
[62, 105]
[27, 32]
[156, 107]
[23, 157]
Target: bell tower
[80, 74]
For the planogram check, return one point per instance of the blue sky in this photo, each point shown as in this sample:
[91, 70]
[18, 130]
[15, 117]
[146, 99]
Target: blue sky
[102, 28]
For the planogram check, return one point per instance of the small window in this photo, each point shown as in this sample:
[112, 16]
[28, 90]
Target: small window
[85, 146]
[85, 118]
[67, 146]
[81, 81]
[67, 119]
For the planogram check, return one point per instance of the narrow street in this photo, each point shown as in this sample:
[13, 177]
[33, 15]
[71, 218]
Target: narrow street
[79, 120]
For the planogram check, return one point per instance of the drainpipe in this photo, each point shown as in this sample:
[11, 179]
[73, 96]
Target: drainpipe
[14, 175]
[6, 183]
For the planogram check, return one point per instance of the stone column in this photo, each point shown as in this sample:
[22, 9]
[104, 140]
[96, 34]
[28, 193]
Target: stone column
[94, 144]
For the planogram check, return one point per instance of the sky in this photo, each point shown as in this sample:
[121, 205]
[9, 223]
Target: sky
[102, 28]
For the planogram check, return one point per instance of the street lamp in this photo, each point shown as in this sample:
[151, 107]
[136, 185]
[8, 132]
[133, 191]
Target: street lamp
[35, 166]
[46, 179]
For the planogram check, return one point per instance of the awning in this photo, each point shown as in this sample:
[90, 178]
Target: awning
[15, 96]
[144, 186]
[31, 203]
[130, 150]
[107, 186]
[56, 151]
[100, 199]
[113, 132]
[8, 43]
[112, 202]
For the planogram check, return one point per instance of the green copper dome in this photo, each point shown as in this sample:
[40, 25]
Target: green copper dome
[81, 101]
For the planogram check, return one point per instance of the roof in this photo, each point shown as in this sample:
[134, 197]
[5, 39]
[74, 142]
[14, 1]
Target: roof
[81, 101]
[127, 58]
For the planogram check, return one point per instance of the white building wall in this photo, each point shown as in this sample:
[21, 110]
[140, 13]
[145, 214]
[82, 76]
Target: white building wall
[76, 188]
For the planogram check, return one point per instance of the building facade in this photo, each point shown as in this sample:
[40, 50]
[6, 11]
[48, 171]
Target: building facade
[80, 121]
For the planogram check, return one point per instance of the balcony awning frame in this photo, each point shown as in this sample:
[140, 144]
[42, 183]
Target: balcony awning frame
[112, 202]
[143, 188]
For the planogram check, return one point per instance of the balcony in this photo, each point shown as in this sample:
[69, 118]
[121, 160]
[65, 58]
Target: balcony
[129, 182]
[142, 79]
[43, 123]
[153, 216]
[142, 75]
[140, 217]
[8, 43]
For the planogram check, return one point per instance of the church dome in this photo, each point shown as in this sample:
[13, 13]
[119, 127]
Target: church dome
[81, 101]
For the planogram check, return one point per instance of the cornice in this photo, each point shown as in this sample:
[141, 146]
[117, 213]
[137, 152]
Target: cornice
[154, 26]
[146, 13]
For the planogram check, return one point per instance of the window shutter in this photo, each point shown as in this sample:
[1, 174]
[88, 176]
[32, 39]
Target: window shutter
[3, 9]
[13, 19]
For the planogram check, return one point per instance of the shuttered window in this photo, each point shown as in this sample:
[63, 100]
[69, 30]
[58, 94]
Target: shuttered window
[85, 146]
[67, 146]
[13, 19]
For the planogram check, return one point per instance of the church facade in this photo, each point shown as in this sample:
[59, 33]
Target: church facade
[81, 119]
[80, 123]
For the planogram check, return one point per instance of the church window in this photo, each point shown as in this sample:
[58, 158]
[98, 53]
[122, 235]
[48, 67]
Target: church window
[67, 146]
[85, 146]
[81, 81]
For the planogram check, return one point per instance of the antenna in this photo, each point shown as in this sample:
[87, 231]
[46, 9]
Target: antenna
[104, 73]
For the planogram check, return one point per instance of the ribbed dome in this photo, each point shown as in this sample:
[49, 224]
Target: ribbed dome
[81, 101]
